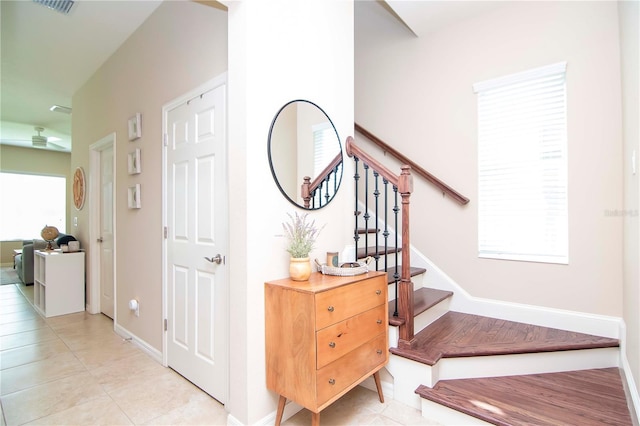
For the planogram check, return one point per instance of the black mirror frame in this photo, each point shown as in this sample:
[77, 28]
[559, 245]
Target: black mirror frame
[273, 172]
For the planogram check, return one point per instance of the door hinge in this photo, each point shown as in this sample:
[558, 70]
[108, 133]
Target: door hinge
[166, 324]
[165, 139]
[166, 232]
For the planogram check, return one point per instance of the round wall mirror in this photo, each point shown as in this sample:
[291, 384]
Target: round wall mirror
[305, 154]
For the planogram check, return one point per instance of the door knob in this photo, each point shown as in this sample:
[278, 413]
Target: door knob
[99, 240]
[217, 259]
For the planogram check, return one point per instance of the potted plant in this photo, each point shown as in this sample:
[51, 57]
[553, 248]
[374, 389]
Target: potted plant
[301, 236]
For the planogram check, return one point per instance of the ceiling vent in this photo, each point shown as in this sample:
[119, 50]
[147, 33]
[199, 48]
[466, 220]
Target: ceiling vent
[62, 6]
[59, 108]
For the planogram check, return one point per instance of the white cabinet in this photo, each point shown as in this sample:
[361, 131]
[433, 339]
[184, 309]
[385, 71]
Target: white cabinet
[58, 285]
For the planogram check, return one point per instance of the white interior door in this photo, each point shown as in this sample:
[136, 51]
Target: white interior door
[106, 232]
[197, 241]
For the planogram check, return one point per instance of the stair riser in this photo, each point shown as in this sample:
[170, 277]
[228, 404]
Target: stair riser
[431, 315]
[421, 321]
[408, 374]
[391, 261]
[536, 363]
[417, 284]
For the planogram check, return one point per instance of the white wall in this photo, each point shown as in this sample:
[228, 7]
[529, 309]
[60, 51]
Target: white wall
[629, 14]
[416, 94]
[179, 47]
[273, 59]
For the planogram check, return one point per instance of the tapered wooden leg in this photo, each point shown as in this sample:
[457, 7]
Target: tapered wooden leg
[376, 378]
[281, 402]
[315, 419]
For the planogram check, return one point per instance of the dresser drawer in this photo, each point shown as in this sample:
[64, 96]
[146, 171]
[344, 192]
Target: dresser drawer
[355, 365]
[338, 339]
[343, 302]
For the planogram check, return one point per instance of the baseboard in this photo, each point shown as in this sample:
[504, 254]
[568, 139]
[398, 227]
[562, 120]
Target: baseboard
[290, 409]
[387, 387]
[146, 348]
[462, 301]
[629, 383]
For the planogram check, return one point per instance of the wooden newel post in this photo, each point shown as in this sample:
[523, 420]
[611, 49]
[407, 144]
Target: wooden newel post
[405, 287]
[305, 193]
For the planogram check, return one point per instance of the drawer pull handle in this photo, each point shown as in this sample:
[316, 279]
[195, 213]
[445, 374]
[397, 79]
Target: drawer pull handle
[332, 344]
[379, 321]
[330, 308]
[379, 351]
[332, 381]
[378, 292]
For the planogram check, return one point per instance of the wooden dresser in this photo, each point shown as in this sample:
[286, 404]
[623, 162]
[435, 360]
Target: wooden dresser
[324, 337]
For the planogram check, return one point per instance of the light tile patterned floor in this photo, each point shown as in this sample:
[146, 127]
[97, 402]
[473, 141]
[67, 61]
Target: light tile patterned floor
[75, 370]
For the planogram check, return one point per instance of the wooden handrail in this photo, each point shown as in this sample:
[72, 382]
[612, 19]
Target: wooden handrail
[354, 150]
[446, 189]
[307, 188]
[324, 173]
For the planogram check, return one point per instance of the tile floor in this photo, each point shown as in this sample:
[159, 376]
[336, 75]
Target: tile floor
[75, 370]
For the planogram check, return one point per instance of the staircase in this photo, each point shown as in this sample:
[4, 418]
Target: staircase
[461, 366]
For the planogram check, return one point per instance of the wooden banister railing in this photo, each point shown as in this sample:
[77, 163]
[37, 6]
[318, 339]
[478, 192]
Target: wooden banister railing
[309, 188]
[402, 184]
[355, 151]
[446, 189]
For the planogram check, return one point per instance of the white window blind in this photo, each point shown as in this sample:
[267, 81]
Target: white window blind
[324, 146]
[522, 163]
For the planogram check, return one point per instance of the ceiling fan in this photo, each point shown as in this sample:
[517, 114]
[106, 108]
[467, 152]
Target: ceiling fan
[37, 141]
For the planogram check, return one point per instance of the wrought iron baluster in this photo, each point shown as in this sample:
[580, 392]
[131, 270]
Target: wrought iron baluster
[366, 210]
[396, 274]
[356, 236]
[376, 195]
[327, 195]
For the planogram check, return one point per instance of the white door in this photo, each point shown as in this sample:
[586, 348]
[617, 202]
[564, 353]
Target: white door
[197, 241]
[106, 232]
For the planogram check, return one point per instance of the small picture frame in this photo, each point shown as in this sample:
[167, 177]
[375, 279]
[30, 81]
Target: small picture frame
[133, 162]
[135, 127]
[134, 197]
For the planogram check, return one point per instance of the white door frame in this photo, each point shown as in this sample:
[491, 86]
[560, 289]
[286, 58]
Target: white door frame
[95, 201]
[206, 87]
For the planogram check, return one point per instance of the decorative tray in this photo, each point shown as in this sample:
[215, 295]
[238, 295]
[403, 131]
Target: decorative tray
[347, 269]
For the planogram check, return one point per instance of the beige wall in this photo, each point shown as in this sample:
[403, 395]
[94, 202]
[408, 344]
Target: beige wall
[267, 68]
[416, 94]
[37, 161]
[180, 46]
[629, 14]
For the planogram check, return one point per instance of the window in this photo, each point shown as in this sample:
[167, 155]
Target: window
[324, 151]
[29, 202]
[324, 146]
[522, 164]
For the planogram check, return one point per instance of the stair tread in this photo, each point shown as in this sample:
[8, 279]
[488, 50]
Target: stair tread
[457, 334]
[423, 299]
[370, 251]
[368, 230]
[413, 271]
[586, 397]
